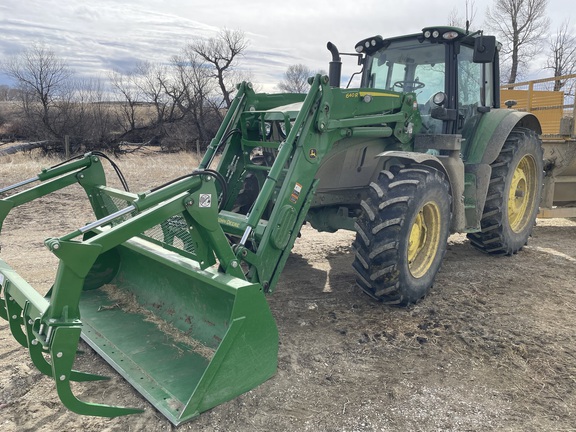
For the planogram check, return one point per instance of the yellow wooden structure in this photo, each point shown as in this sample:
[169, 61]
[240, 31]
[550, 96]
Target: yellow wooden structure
[556, 111]
[547, 106]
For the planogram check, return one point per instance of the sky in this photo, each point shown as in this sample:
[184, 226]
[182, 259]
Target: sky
[95, 37]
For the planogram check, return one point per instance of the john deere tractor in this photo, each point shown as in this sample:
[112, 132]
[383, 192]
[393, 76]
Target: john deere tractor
[169, 285]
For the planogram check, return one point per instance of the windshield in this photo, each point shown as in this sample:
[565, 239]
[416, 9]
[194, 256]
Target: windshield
[408, 66]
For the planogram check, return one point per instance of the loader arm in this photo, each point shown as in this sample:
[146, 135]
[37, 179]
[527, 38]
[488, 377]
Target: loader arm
[86, 170]
[288, 179]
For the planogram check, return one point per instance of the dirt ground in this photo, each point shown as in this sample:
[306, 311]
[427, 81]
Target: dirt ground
[492, 347]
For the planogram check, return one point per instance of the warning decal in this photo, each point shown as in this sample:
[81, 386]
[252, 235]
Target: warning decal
[296, 193]
[205, 200]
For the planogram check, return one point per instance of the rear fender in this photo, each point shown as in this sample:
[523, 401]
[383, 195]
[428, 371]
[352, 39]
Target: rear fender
[483, 143]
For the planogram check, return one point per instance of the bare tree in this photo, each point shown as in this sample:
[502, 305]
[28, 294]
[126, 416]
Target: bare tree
[4, 93]
[44, 81]
[202, 97]
[129, 96]
[8, 94]
[562, 54]
[54, 103]
[183, 95]
[520, 24]
[222, 53]
[91, 118]
[151, 80]
[456, 20]
[296, 79]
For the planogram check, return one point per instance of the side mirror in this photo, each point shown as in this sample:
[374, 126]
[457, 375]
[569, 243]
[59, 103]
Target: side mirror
[444, 114]
[484, 49]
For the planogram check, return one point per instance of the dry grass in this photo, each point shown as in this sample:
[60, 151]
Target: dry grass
[143, 169]
[153, 168]
[25, 164]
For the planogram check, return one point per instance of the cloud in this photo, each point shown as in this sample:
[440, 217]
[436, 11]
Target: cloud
[94, 36]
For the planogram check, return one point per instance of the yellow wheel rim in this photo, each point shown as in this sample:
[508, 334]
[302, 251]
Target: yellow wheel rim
[522, 194]
[424, 240]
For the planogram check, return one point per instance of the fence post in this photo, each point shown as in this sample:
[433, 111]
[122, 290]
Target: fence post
[530, 95]
[574, 117]
[67, 146]
[198, 147]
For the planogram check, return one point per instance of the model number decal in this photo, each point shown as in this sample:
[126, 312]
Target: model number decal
[352, 95]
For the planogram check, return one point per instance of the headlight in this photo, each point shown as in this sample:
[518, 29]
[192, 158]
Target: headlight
[439, 98]
[427, 34]
[450, 35]
[435, 33]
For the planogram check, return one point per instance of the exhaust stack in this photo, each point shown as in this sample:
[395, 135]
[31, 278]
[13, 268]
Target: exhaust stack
[335, 70]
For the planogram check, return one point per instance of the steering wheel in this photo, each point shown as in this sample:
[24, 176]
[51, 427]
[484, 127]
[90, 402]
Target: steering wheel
[415, 84]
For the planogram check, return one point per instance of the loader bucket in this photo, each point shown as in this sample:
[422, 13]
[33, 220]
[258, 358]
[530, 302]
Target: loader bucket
[155, 288]
[186, 339]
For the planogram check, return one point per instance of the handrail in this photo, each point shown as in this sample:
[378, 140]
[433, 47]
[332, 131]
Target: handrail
[555, 109]
[538, 81]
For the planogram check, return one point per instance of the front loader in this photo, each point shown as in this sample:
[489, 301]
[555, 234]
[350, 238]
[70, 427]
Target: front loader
[169, 285]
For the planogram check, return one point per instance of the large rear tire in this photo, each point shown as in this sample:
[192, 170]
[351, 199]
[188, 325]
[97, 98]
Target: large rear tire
[402, 234]
[513, 195]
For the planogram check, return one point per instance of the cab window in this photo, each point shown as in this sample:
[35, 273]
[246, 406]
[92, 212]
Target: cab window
[474, 84]
[411, 66]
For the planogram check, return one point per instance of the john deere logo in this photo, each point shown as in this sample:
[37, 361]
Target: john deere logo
[313, 153]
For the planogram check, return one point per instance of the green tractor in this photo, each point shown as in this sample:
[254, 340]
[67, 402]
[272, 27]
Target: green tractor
[169, 285]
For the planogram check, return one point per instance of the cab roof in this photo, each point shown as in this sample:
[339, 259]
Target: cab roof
[437, 34]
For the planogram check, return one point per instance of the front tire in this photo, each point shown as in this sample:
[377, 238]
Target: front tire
[402, 234]
[513, 195]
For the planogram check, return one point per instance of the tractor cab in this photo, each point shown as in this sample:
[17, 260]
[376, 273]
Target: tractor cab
[452, 73]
